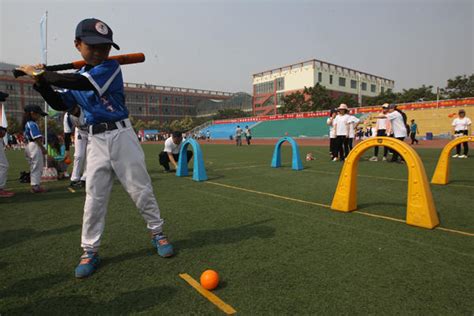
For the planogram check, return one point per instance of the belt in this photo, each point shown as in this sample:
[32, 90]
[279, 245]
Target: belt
[108, 126]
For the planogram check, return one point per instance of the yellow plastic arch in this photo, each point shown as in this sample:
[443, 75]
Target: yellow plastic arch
[441, 174]
[421, 210]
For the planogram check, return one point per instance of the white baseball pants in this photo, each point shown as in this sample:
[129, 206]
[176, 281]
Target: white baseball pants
[80, 151]
[34, 156]
[3, 165]
[117, 153]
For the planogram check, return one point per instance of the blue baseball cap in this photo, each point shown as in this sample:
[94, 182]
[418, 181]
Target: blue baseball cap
[93, 32]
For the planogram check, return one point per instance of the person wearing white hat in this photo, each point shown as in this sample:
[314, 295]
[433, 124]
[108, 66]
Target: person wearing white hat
[461, 126]
[341, 127]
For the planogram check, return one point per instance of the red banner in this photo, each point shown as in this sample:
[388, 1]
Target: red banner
[368, 109]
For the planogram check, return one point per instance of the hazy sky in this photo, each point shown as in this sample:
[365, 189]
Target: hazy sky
[218, 45]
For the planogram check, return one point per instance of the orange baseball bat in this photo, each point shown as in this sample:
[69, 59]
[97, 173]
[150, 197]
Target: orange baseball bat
[124, 59]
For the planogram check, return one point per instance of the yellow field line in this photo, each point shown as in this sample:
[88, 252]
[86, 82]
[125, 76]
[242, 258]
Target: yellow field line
[241, 167]
[214, 299]
[328, 206]
[267, 194]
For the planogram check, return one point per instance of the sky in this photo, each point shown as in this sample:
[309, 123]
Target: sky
[218, 45]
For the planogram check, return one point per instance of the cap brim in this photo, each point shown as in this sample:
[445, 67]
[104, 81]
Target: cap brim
[96, 40]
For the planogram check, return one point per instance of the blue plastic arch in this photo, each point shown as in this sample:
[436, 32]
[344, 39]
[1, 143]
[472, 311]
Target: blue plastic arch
[296, 160]
[199, 172]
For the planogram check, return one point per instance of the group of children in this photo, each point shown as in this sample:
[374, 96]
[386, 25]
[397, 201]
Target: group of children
[342, 126]
[390, 122]
[238, 135]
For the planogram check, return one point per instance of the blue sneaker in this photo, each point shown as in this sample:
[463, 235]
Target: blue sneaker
[162, 245]
[88, 265]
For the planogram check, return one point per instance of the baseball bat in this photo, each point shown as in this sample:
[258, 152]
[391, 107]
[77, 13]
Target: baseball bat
[124, 59]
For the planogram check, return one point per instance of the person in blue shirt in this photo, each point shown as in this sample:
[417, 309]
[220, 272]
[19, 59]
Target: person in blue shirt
[413, 132]
[113, 149]
[34, 150]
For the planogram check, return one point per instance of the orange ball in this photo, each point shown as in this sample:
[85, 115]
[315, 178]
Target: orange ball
[67, 161]
[209, 279]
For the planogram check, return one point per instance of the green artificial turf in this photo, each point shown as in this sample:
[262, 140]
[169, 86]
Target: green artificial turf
[274, 255]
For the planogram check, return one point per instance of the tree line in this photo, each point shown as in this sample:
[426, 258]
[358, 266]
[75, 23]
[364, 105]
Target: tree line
[318, 97]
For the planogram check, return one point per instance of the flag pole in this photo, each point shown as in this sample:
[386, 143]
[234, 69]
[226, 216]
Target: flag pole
[45, 61]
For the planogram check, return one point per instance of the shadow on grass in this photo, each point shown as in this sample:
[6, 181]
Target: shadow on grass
[25, 288]
[230, 235]
[54, 193]
[12, 237]
[147, 252]
[124, 303]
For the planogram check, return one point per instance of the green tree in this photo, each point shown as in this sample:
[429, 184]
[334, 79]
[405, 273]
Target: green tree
[424, 93]
[295, 102]
[230, 113]
[347, 99]
[388, 96]
[13, 126]
[319, 98]
[459, 87]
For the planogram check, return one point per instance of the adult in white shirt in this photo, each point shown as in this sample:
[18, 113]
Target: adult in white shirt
[332, 133]
[171, 151]
[381, 127]
[341, 127]
[461, 126]
[352, 123]
[397, 127]
[238, 136]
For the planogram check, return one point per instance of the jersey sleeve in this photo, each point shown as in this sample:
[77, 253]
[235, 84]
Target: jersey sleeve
[67, 97]
[102, 75]
[391, 116]
[34, 130]
[468, 121]
[454, 122]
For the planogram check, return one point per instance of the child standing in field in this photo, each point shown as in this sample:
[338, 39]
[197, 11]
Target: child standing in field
[34, 150]
[352, 125]
[332, 134]
[113, 148]
[341, 127]
[413, 132]
[381, 127]
[3, 166]
[461, 126]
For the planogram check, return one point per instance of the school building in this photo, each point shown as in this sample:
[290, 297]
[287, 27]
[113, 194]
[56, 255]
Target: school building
[144, 101]
[270, 86]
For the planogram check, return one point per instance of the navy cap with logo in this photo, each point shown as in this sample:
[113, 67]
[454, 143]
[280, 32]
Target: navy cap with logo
[93, 32]
[35, 108]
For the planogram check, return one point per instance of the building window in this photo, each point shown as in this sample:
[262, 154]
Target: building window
[320, 76]
[280, 82]
[330, 79]
[342, 81]
[280, 98]
[353, 84]
[364, 86]
[372, 88]
[264, 87]
[382, 89]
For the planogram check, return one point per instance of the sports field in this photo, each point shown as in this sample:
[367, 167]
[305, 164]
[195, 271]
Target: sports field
[269, 233]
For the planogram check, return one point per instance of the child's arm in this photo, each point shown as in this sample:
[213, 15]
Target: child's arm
[175, 164]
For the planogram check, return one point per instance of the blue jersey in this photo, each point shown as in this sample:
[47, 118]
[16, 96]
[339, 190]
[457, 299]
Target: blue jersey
[31, 131]
[107, 102]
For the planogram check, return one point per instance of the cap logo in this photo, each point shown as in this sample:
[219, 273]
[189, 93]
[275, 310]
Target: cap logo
[102, 28]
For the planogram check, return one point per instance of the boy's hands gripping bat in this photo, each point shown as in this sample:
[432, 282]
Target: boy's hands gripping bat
[125, 59]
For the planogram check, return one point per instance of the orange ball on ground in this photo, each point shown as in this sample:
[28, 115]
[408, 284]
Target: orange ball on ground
[209, 279]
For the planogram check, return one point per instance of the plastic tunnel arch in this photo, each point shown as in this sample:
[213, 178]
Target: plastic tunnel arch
[199, 171]
[441, 174]
[296, 163]
[421, 210]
